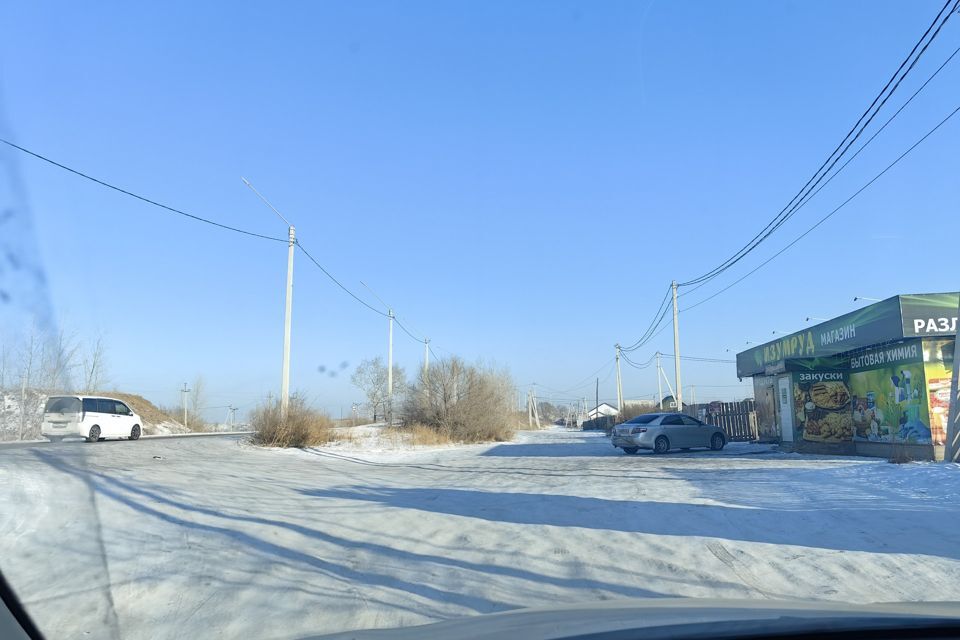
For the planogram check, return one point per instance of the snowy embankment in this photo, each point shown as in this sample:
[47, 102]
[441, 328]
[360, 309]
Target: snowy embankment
[214, 537]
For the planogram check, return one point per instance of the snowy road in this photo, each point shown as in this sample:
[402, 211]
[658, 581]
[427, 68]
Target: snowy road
[214, 538]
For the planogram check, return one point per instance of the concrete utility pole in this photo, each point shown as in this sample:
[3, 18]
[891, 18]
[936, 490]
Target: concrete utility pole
[619, 383]
[659, 385]
[529, 409]
[288, 308]
[676, 349]
[390, 372]
[598, 400]
[426, 359]
[426, 369]
[183, 401]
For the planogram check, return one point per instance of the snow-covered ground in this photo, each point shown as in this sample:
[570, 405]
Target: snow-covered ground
[212, 537]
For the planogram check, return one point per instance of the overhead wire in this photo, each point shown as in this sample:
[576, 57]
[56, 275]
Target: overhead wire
[661, 310]
[137, 196]
[811, 195]
[337, 282]
[826, 217]
[204, 220]
[848, 140]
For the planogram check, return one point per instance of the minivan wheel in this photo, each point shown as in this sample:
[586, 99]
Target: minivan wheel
[661, 445]
[717, 442]
[631, 451]
[94, 434]
[135, 432]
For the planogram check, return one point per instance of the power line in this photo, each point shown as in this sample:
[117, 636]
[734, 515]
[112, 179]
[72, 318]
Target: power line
[826, 217]
[337, 282]
[407, 331]
[635, 365]
[204, 220]
[590, 377]
[810, 196]
[699, 359]
[662, 308]
[139, 197]
[837, 153]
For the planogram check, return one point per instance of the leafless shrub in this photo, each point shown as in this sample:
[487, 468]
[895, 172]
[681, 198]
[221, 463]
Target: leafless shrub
[304, 426]
[630, 411]
[464, 403]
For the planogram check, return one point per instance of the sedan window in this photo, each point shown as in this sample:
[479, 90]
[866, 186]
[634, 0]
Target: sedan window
[691, 422]
[671, 420]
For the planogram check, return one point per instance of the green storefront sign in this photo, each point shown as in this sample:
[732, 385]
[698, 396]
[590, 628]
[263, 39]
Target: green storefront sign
[891, 319]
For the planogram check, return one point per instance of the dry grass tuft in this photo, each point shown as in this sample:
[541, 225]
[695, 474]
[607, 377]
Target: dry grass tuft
[304, 427]
[419, 435]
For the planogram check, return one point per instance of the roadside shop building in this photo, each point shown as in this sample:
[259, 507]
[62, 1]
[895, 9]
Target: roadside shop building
[869, 382]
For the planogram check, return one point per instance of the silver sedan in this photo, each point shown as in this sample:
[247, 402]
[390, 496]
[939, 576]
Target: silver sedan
[662, 432]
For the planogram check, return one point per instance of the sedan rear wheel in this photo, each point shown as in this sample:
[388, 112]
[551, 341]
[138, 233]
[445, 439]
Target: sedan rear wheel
[717, 441]
[631, 451]
[661, 445]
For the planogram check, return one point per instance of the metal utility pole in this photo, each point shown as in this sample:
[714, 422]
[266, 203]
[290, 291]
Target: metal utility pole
[619, 383]
[693, 400]
[659, 385]
[676, 348]
[390, 372]
[183, 401]
[288, 308]
[951, 452]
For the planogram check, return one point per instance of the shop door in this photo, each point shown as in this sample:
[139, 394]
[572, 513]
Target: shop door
[785, 408]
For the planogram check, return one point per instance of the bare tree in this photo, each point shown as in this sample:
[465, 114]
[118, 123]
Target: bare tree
[4, 366]
[198, 395]
[58, 362]
[31, 353]
[94, 367]
[371, 378]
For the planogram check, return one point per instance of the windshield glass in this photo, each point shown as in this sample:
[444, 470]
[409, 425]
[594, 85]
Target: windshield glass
[327, 316]
[645, 419]
[65, 404]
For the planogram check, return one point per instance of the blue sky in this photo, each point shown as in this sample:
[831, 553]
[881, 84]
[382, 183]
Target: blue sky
[521, 181]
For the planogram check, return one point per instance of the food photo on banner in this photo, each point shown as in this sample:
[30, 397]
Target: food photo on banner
[938, 368]
[821, 401]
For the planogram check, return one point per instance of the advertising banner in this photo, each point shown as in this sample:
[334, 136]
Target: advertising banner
[821, 405]
[929, 314]
[879, 322]
[938, 369]
[889, 394]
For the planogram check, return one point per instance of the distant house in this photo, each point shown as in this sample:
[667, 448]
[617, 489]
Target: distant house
[602, 409]
[670, 404]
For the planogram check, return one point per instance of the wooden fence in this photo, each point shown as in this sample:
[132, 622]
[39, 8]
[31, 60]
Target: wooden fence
[738, 419]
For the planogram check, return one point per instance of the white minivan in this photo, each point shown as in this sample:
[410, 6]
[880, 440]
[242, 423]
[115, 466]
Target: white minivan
[93, 418]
